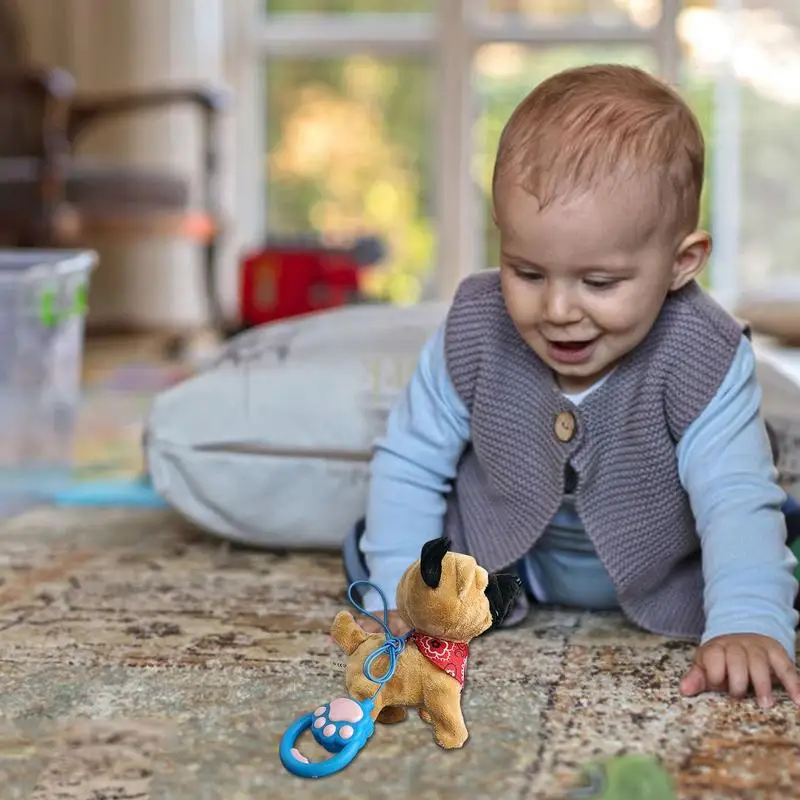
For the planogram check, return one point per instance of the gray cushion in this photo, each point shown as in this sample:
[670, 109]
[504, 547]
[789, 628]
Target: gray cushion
[271, 445]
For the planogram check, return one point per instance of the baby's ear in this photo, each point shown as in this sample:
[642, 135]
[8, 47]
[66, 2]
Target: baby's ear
[690, 259]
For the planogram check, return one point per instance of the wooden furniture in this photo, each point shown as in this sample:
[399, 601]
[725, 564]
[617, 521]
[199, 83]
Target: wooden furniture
[774, 315]
[51, 197]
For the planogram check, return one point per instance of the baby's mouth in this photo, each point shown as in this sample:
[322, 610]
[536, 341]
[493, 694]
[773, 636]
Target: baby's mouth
[572, 351]
[577, 344]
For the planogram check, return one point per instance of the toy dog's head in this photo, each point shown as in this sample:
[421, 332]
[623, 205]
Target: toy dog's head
[447, 595]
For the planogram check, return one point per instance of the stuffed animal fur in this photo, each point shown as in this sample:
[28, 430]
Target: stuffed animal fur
[447, 600]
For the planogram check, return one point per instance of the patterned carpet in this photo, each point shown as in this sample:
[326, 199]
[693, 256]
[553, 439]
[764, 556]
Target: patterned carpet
[142, 660]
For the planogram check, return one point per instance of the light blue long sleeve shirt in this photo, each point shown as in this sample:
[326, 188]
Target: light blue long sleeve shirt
[725, 466]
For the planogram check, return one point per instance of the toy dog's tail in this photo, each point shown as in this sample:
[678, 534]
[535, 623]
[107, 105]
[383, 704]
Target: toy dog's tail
[347, 633]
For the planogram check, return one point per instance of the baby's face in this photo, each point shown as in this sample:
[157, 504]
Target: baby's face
[584, 280]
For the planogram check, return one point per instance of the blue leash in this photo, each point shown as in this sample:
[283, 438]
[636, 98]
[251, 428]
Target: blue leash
[344, 725]
[393, 646]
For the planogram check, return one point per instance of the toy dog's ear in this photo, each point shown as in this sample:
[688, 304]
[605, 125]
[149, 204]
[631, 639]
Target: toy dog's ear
[430, 563]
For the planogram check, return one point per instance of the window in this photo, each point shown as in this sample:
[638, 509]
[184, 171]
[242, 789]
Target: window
[346, 6]
[348, 153]
[382, 117]
[744, 66]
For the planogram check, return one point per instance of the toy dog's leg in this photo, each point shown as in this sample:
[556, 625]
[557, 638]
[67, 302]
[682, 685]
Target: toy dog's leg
[347, 633]
[359, 688]
[443, 705]
[392, 715]
[425, 716]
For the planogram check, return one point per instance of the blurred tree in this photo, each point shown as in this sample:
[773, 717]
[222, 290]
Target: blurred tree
[349, 152]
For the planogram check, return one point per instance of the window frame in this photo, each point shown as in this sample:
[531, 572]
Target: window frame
[450, 36]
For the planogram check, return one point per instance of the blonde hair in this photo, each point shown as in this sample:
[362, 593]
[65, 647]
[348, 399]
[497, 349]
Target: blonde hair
[587, 125]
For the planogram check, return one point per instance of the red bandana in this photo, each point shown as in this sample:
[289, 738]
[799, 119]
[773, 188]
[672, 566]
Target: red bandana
[448, 656]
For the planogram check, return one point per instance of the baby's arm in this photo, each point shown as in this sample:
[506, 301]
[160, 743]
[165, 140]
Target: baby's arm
[412, 469]
[726, 466]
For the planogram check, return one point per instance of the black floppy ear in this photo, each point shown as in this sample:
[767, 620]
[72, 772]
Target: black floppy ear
[430, 563]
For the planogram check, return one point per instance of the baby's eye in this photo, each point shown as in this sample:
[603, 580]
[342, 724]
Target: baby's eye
[528, 276]
[601, 284]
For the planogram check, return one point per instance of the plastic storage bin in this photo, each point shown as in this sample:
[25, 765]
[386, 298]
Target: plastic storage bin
[42, 315]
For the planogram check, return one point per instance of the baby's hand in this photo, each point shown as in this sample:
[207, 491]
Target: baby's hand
[397, 624]
[732, 663]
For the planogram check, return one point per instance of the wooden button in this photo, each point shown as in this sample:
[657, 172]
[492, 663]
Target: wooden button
[565, 426]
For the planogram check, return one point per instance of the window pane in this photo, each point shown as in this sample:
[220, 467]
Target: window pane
[504, 74]
[347, 6]
[766, 62]
[697, 86]
[349, 153]
[644, 13]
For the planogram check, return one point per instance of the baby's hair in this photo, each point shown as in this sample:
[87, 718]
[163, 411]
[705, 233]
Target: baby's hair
[584, 126]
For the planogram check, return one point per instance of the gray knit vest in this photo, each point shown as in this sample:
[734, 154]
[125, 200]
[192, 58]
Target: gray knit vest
[621, 457]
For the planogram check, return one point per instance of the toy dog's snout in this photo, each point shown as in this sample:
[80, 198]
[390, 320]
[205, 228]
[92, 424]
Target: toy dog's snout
[502, 592]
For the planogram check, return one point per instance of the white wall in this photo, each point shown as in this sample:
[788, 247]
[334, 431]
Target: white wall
[138, 44]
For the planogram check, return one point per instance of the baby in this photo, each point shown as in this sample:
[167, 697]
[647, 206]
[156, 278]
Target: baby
[586, 414]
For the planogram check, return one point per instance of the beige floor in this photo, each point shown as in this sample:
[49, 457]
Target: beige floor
[142, 660]
[102, 352]
[105, 351]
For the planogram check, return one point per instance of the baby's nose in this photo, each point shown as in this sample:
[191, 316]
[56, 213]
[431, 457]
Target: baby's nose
[561, 307]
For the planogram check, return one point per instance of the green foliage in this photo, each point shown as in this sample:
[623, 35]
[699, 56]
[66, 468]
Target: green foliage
[627, 777]
[349, 152]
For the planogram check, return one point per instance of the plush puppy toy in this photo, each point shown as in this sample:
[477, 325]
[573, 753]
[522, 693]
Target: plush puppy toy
[447, 600]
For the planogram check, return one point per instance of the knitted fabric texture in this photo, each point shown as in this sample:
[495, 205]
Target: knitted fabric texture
[510, 480]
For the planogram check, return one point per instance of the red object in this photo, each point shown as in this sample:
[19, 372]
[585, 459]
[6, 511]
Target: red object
[448, 656]
[289, 277]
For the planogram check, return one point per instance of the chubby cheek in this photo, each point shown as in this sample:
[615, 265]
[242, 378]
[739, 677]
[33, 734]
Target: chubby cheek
[524, 307]
[620, 319]
[627, 312]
